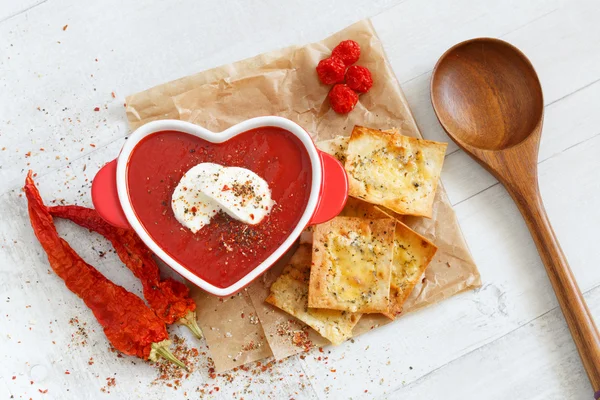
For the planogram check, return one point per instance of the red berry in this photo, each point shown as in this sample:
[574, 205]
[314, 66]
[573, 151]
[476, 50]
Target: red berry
[342, 99]
[331, 70]
[359, 78]
[348, 51]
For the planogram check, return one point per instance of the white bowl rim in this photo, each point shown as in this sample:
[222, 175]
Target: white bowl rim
[218, 137]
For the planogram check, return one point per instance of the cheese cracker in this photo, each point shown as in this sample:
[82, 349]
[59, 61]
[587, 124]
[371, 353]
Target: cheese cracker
[395, 171]
[412, 255]
[352, 261]
[338, 145]
[290, 293]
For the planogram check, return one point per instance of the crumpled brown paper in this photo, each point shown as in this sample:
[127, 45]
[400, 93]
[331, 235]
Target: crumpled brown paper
[284, 83]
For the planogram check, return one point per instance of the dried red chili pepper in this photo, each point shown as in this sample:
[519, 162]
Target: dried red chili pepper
[129, 325]
[168, 298]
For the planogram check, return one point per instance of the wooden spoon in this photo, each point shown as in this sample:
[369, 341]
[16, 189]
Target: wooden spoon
[489, 100]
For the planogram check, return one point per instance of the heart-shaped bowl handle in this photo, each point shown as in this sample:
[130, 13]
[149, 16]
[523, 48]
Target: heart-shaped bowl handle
[334, 189]
[106, 197]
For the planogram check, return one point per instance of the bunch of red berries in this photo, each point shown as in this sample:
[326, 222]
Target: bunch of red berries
[337, 69]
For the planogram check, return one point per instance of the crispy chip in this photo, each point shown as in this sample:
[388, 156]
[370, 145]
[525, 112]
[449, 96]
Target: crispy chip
[412, 255]
[352, 262]
[395, 171]
[362, 209]
[412, 252]
[335, 147]
[290, 293]
[338, 146]
[354, 207]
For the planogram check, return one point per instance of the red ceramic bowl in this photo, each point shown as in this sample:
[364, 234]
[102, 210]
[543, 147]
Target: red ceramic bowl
[327, 197]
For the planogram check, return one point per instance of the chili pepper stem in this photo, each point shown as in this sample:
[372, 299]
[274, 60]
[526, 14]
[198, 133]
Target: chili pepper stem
[190, 321]
[162, 349]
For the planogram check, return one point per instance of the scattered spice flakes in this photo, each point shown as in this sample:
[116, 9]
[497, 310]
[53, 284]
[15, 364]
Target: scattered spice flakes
[110, 382]
[44, 391]
[65, 27]
[253, 319]
[298, 334]
[113, 95]
[169, 374]
[80, 336]
[259, 372]
[97, 109]
[251, 346]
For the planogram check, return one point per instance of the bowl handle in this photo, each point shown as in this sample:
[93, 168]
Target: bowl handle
[334, 189]
[106, 197]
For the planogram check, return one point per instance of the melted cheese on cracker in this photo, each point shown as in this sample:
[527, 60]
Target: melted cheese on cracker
[395, 171]
[290, 293]
[352, 259]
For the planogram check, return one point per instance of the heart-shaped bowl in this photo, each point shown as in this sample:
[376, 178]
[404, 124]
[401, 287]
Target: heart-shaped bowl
[327, 197]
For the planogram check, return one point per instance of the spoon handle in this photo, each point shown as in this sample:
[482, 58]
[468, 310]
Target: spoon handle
[573, 305]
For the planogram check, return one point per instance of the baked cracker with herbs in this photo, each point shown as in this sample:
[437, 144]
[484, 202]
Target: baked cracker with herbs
[351, 265]
[290, 293]
[398, 172]
[338, 146]
[412, 255]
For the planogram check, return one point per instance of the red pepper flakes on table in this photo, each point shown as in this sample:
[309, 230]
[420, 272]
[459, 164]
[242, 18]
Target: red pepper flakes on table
[129, 325]
[168, 298]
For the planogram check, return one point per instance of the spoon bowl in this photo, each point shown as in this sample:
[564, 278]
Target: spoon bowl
[487, 94]
[489, 100]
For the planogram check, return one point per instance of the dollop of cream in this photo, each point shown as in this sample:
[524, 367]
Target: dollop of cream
[208, 188]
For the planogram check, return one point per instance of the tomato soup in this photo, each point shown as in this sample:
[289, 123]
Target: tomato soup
[226, 249]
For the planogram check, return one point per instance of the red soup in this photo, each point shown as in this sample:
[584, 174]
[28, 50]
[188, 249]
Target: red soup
[225, 250]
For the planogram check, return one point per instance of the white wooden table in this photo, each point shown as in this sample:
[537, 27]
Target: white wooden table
[507, 340]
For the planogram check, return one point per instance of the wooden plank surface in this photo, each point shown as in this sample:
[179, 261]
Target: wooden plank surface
[506, 340]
